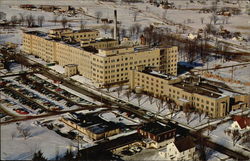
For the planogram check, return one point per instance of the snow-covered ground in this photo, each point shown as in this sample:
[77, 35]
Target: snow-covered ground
[148, 14]
[237, 73]
[15, 147]
[218, 135]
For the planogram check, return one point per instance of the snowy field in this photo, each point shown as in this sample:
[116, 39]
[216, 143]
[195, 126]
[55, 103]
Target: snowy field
[15, 147]
[147, 14]
[219, 136]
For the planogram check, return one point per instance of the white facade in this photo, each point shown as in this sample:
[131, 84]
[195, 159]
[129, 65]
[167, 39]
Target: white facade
[172, 153]
[235, 125]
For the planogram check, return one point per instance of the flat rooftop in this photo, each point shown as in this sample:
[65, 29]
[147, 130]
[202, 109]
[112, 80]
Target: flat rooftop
[158, 74]
[192, 88]
[37, 33]
[116, 48]
[205, 88]
[84, 30]
[93, 123]
[157, 128]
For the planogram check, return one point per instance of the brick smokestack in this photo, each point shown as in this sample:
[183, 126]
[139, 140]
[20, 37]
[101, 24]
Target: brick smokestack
[115, 27]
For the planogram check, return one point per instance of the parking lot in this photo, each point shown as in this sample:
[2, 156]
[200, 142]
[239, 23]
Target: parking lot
[31, 95]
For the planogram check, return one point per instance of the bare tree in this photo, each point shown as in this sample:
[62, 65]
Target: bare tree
[235, 136]
[119, 90]
[55, 18]
[172, 108]
[135, 14]
[137, 28]
[128, 94]
[108, 86]
[199, 114]
[26, 133]
[187, 112]
[227, 19]
[82, 24]
[139, 97]
[105, 28]
[131, 31]
[148, 33]
[98, 15]
[214, 7]
[21, 19]
[14, 20]
[123, 32]
[210, 29]
[159, 104]
[211, 128]
[13, 134]
[179, 7]
[246, 137]
[202, 20]
[40, 20]
[150, 98]
[30, 20]
[164, 14]
[214, 18]
[202, 147]
[64, 22]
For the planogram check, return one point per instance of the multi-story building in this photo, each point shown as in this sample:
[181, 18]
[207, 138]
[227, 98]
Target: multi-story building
[187, 92]
[76, 35]
[102, 61]
[93, 126]
[157, 135]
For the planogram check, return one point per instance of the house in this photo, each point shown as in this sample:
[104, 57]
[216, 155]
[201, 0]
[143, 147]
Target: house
[142, 40]
[27, 6]
[48, 8]
[182, 148]
[157, 135]
[192, 36]
[104, 20]
[240, 122]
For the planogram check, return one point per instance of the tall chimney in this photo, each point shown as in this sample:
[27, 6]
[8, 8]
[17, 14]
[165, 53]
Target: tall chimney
[115, 27]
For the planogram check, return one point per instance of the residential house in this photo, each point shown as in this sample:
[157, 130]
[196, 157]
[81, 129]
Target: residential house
[182, 148]
[240, 122]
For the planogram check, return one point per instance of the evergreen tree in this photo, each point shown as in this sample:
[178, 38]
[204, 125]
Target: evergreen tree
[68, 156]
[39, 156]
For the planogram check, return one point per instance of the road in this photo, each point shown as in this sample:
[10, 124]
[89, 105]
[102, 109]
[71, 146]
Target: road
[88, 107]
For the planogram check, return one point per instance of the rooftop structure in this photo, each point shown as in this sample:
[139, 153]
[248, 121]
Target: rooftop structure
[92, 125]
[156, 128]
[157, 135]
